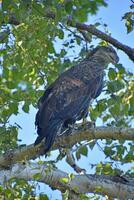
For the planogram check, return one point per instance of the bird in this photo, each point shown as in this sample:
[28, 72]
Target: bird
[67, 99]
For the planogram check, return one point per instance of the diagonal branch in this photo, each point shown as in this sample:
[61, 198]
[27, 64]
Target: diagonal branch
[89, 28]
[92, 29]
[67, 141]
[113, 186]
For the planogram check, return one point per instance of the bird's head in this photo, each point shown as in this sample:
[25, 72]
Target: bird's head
[106, 54]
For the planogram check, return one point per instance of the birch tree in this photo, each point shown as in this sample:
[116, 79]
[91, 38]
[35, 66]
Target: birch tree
[38, 41]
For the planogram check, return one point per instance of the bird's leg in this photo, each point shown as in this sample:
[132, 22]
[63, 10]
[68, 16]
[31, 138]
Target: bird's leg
[69, 126]
[72, 126]
[71, 161]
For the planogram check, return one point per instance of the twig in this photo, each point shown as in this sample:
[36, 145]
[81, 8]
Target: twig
[90, 28]
[68, 29]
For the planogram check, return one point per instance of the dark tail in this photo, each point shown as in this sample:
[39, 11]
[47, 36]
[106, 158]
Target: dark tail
[52, 131]
[40, 137]
[50, 134]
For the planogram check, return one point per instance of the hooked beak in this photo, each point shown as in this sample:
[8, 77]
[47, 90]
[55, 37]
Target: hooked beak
[114, 59]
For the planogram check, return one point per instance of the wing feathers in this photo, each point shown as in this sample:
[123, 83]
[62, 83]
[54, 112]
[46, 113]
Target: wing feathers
[66, 99]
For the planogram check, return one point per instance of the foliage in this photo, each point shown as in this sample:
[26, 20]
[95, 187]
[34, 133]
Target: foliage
[35, 49]
[129, 19]
[17, 189]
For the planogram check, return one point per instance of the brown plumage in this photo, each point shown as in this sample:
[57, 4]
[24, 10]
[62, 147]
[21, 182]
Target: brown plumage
[68, 98]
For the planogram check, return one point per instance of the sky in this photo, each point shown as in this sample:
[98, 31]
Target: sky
[112, 15]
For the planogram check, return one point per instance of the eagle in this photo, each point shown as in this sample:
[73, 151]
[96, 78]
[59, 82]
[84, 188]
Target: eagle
[68, 98]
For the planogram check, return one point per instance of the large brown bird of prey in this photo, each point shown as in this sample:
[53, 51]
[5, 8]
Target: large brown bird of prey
[67, 99]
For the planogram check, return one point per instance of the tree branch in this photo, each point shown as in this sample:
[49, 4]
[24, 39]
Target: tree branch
[67, 141]
[113, 186]
[90, 28]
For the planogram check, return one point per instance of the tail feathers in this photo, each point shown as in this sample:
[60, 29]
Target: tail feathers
[38, 140]
[52, 132]
[49, 134]
[40, 137]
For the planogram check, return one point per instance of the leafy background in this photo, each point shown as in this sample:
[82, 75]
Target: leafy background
[36, 49]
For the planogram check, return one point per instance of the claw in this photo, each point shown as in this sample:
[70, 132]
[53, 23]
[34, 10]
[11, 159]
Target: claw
[78, 169]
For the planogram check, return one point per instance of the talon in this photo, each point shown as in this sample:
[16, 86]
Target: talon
[78, 169]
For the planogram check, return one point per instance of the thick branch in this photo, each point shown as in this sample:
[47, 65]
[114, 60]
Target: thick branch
[91, 29]
[113, 186]
[81, 134]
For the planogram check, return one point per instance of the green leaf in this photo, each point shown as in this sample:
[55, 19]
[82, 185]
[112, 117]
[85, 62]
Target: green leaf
[101, 106]
[43, 197]
[83, 150]
[115, 110]
[14, 108]
[115, 86]
[37, 176]
[120, 68]
[108, 151]
[64, 180]
[68, 7]
[99, 168]
[4, 37]
[63, 52]
[78, 40]
[129, 21]
[92, 144]
[107, 169]
[5, 4]
[21, 182]
[129, 157]
[112, 74]
[61, 34]
[25, 107]
[8, 193]
[11, 84]
[71, 176]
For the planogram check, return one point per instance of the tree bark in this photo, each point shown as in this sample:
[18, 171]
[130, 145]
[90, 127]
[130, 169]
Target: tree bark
[66, 141]
[92, 29]
[112, 186]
